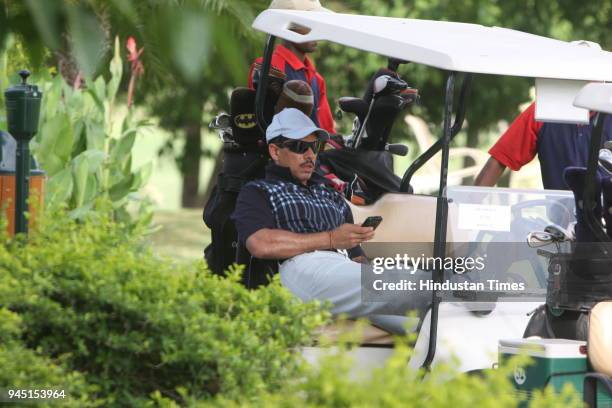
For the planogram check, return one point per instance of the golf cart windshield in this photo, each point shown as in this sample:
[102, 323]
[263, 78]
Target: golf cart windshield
[497, 223]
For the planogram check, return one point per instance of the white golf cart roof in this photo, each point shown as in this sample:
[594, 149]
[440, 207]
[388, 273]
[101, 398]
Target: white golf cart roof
[561, 69]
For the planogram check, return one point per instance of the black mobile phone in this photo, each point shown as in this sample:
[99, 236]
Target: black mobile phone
[373, 221]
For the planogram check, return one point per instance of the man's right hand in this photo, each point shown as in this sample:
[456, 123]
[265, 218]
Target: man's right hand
[348, 236]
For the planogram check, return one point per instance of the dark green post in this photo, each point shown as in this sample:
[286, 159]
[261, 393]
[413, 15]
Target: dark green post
[22, 113]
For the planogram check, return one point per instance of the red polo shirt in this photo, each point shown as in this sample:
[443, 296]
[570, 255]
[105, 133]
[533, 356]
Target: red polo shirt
[518, 145]
[285, 60]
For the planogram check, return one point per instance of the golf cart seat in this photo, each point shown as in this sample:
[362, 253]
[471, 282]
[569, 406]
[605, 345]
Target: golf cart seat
[370, 334]
[407, 218]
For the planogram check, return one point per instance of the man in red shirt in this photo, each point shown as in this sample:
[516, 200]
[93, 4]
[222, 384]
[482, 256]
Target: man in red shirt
[558, 146]
[292, 59]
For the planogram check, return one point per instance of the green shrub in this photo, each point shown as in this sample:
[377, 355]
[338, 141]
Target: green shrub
[85, 143]
[396, 385]
[85, 307]
[90, 295]
[23, 368]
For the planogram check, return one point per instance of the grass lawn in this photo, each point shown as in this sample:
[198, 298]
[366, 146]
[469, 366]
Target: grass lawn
[182, 236]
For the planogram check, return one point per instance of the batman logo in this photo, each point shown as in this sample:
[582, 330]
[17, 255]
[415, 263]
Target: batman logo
[245, 121]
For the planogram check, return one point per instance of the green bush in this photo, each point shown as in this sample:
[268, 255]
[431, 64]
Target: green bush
[89, 295]
[85, 307]
[396, 385]
[23, 368]
[85, 143]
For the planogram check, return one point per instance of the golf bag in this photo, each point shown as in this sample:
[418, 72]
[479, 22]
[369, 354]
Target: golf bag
[366, 156]
[581, 278]
[244, 159]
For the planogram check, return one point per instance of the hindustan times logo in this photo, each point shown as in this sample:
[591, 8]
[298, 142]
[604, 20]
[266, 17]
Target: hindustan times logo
[409, 263]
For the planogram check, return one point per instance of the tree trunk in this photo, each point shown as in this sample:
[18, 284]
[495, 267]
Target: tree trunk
[191, 166]
[472, 141]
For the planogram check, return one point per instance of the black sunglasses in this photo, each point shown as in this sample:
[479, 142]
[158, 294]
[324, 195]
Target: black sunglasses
[301, 147]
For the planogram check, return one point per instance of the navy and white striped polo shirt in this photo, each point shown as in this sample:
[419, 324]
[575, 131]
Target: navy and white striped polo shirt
[281, 202]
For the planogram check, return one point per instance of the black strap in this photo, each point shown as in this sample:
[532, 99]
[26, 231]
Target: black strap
[232, 184]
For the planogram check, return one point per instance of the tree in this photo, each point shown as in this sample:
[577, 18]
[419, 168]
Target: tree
[493, 98]
[195, 51]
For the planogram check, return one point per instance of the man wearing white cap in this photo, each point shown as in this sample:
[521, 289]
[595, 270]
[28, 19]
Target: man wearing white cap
[291, 58]
[292, 217]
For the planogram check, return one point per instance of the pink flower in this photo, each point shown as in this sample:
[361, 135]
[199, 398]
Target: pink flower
[131, 46]
[134, 56]
[137, 68]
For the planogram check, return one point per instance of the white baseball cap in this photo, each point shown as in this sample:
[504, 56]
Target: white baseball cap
[303, 5]
[293, 124]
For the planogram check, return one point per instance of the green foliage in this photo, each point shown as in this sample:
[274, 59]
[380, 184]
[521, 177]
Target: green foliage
[195, 50]
[13, 58]
[493, 98]
[89, 295]
[23, 368]
[396, 385]
[27, 368]
[85, 307]
[85, 146]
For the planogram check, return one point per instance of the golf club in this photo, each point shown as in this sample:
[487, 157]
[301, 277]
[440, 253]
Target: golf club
[383, 85]
[222, 123]
[386, 84]
[539, 239]
[605, 159]
[606, 187]
[559, 234]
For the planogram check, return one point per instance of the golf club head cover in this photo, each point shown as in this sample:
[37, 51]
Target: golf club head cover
[369, 93]
[381, 121]
[276, 79]
[575, 180]
[243, 120]
[606, 187]
[605, 160]
[296, 94]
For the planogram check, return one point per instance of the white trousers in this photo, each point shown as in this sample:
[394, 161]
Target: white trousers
[330, 276]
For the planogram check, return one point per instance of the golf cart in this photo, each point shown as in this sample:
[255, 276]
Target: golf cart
[573, 330]
[457, 216]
